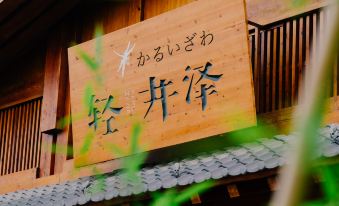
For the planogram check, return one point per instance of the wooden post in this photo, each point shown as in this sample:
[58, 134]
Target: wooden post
[233, 191]
[272, 183]
[53, 105]
[195, 199]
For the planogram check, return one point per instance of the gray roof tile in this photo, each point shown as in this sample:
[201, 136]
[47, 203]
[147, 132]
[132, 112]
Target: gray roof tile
[255, 166]
[248, 158]
[237, 169]
[202, 176]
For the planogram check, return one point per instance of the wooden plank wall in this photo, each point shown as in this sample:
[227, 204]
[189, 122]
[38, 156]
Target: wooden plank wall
[264, 12]
[20, 137]
[280, 56]
[23, 79]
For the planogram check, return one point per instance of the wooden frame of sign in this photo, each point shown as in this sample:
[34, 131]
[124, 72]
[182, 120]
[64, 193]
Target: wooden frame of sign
[183, 75]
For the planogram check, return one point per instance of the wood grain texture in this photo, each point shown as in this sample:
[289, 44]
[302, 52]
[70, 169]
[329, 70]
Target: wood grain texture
[274, 68]
[153, 8]
[264, 12]
[45, 165]
[179, 126]
[54, 67]
[281, 70]
[268, 85]
[294, 62]
[18, 137]
[23, 179]
[300, 57]
[256, 67]
[262, 73]
[283, 119]
[288, 65]
[22, 80]
[54, 98]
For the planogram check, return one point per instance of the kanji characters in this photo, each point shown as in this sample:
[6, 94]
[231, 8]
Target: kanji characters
[163, 85]
[97, 114]
[203, 87]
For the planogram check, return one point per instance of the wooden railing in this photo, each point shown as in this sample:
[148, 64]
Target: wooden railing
[20, 137]
[280, 55]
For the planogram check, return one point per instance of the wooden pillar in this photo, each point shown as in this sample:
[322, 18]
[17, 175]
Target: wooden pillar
[272, 183]
[54, 95]
[233, 191]
[195, 199]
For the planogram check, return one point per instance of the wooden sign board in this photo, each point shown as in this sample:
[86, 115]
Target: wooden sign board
[184, 75]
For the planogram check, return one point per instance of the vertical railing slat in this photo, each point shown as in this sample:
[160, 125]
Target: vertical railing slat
[281, 55]
[287, 73]
[262, 72]
[274, 69]
[268, 71]
[300, 57]
[257, 67]
[294, 59]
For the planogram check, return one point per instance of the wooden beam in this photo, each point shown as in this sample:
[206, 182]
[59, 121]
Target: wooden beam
[282, 119]
[265, 12]
[45, 166]
[154, 7]
[7, 8]
[195, 199]
[53, 95]
[272, 183]
[22, 18]
[17, 180]
[31, 34]
[233, 191]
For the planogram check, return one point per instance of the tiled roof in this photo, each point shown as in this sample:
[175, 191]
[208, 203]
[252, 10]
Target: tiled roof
[232, 161]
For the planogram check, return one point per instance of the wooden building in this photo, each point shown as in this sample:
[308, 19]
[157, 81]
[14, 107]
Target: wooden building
[37, 162]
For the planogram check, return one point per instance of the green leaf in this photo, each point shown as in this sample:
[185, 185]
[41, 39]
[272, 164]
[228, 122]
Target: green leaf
[252, 134]
[314, 203]
[88, 95]
[329, 183]
[87, 143]
[64, 122]
[115, 149]
[98, 43]
[136, 130]
[165, 199]
[100, 183]
[91, 63]
[299, 3]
